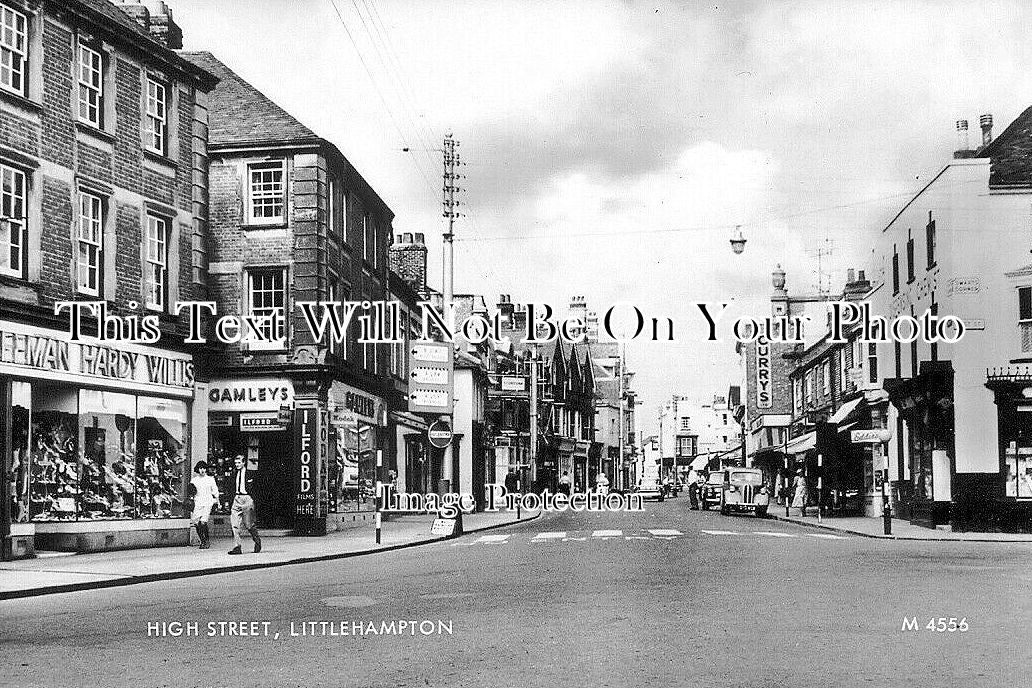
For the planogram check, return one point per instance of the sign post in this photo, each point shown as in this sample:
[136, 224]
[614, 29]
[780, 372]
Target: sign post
[432, 384]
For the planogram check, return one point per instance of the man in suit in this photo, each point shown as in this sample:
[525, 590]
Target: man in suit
[242, 516]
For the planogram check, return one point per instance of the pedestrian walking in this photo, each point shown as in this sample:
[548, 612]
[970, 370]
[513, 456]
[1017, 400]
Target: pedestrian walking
[601, 483]
[241, 516]
[693, 489]
[800, 496]
[205, 495]
[565, 484]
[512, 482]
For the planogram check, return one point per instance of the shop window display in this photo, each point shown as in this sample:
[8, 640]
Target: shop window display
[353, 470]
[21, 405]
[90, 455]
[54, 453]
[1018, 460]
[161, 458]
[107, 425]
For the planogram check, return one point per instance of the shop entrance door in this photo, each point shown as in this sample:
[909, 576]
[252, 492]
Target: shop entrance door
[275, 481]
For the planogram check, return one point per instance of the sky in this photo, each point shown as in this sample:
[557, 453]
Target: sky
[612, 147]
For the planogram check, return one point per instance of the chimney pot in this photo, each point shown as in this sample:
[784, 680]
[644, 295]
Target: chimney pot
[419, 238]
[986, 122]
[850, 276]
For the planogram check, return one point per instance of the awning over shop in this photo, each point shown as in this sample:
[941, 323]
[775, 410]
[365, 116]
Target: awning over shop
[845, 410]
[699, 462]
[846, 428]
[802, 443]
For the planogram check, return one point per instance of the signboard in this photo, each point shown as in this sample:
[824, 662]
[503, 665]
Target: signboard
[512, 383]
[443, 526]
[764, 389]
[973, 324]
[259, 394]
[431, 386]
[51, 354]
[306, 459]
[440, 434]
[266, 421]
[963, 285]
[362, 404]
[874, 436]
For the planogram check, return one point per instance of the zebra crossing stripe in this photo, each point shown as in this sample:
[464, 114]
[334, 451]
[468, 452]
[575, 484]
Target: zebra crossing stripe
[661, 532]
[827, 536]
[773, 534]
[719, 532]
[553, 535]
[493, 538]
[606, 533]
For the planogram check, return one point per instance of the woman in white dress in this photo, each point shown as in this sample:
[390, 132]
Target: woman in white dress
[800, 497]
[205, 494]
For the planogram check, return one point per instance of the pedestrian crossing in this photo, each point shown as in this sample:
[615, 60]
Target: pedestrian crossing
[648, 534]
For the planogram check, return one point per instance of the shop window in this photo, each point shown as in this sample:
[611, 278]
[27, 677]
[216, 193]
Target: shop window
[107, 437]
[90, 241]
[1025, 317]
[156, 125]
[1018, 456]
[14, 235]
[91, 86]
[266, 193]
[21, 420]
[13, 50]
[54, 452]
[267, 300]
[161, 457]
[157, 262]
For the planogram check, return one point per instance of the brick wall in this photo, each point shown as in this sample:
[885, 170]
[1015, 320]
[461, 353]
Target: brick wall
[111, 164]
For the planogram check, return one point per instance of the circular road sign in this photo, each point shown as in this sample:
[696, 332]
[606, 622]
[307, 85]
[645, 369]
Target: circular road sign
[440, 434]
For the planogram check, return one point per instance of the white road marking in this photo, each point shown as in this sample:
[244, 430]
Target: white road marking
[568, 539]
[826, 536]
[493, 538]
[773, 534]
[636, 537]
[664, 531]
[606, 533]
[719, 532]
[554, 535]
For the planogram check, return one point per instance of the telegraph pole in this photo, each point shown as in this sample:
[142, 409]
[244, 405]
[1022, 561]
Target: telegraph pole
[533, 410]
[451, 161]
[618, 477]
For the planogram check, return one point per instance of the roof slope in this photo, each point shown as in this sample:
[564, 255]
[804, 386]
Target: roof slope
[241, 114]
[1009, 154]
[116, 15]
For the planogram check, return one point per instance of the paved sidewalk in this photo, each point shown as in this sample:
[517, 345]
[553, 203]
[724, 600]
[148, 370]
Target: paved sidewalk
[59, 572]
[901, 530]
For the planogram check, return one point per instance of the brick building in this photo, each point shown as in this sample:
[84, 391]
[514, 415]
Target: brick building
[103, 165]
[293, 221]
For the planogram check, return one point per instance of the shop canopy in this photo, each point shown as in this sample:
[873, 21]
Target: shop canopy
[699, 462]
[845, 411]
[801, 444]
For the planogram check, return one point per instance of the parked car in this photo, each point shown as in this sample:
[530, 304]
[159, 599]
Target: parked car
[711, 492]
[651, 490]
[744, 490]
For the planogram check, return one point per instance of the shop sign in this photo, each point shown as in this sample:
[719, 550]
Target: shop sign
[512, 383]
[973, 324]
[306, 459]
[260, 394]
[873, 436]
[764, 393]
[443, 526]
[23, 347]
[220, 420]
[260, 422]
[361, 404]
[963, 285]
[440, 434]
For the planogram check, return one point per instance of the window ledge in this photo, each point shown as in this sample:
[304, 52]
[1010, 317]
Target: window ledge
[162, 163]
[21, 101]
[272, 225]
[101, 134]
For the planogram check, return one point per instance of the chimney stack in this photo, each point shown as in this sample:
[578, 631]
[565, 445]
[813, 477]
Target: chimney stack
[986, 122]
[407, 259]
[856, 285]
[156, 19]
[505, 308]
[963, 148]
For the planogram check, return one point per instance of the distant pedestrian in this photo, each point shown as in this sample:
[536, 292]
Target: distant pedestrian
[602, 483]
[205, 495]
[799, 496]
[693, 489]
[242, 516]
[565, 484]
[512, 482]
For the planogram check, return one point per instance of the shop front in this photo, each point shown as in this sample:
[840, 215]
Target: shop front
[358, 434]
[96, 442]
[926, 404]
[1004, 499]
